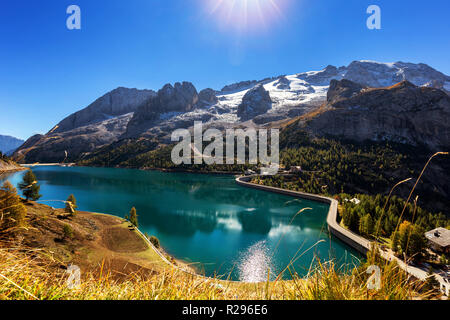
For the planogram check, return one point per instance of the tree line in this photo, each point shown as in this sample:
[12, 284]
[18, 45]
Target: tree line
[404, 225]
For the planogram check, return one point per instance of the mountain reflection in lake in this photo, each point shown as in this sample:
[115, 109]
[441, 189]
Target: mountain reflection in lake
[207, 220]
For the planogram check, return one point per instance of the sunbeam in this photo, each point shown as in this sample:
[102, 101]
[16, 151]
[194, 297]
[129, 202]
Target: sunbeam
[245, 15]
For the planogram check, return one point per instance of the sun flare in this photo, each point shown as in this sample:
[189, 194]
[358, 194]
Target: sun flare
[245, 15]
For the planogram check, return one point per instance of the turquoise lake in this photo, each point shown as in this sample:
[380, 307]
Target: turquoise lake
[208, 220]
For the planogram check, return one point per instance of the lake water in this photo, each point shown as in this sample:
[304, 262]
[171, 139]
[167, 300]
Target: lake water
[209, 220]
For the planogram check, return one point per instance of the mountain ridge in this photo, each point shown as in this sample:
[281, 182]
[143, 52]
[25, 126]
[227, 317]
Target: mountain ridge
[403, 113]
[130, 113]
[9, 144]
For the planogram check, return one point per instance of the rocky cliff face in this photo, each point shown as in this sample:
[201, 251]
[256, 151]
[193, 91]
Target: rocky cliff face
[52, 148]
[403, 113]
[344, 89]
[243, 85]
[6, 166]
[283, 83]
[169, 101]
[207, 98]
[131, 113]
[376, 75]
[256, 101]
[115, 103]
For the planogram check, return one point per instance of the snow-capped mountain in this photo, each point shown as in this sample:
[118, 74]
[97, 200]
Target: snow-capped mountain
[132, 114]
[296, 94]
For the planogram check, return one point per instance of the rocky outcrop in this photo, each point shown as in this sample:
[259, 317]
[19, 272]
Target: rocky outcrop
[115, 103]
[283, 83]
[9, 166]
[157, 115]
[343, 89]
[256, 101]
[52, 148]
[243, 85]
[180, 98]
[207, 98]
[402, 113]
[322, 77]
[376, 75]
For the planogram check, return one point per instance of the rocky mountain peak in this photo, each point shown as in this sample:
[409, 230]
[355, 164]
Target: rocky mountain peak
[283, 83]
[330, 69]
[402, 113]
[376, 74]
[239, 86]
[180, 98]
[354, 89]
[207, 97]
[256, 101]
[342, 89]
[118, 102]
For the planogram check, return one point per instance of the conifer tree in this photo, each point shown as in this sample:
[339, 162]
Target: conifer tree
[30, 187]
[134, 217]
[395, 241]
[71, 205]
[12, 211]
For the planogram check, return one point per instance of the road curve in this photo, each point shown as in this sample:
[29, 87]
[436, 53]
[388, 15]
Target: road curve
[355, 241]
[348, 237]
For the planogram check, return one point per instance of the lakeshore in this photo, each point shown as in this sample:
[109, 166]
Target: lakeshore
[124, 251]
[207, 221]
[10, 168]
[359, 243]
[351, 239]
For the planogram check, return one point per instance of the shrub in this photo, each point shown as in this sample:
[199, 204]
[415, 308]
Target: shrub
[154, 240]
[68, 231]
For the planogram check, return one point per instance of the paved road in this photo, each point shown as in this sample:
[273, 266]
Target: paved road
[359, 243]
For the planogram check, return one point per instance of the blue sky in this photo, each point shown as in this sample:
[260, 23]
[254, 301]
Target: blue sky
[48, 72]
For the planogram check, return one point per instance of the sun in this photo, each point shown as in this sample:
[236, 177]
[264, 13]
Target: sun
[245, 15]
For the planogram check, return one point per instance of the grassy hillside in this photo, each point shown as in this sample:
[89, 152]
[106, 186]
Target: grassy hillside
[24, 277]
[6, 164]
[37, 247]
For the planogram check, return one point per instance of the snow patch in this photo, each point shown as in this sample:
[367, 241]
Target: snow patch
[169, 115]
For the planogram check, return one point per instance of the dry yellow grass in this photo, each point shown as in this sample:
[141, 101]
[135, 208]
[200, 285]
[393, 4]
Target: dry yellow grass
[26, 275]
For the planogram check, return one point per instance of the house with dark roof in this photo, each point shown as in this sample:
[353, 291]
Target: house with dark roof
[439, 240]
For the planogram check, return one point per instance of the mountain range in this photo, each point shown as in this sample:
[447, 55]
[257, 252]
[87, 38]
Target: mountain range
[402, 102]
[9, 144]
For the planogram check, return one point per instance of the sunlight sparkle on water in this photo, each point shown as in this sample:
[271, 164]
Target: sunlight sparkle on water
[255, 263]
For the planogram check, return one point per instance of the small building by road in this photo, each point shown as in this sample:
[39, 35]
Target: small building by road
[295, 169]
[439, 240]
[249, 172]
